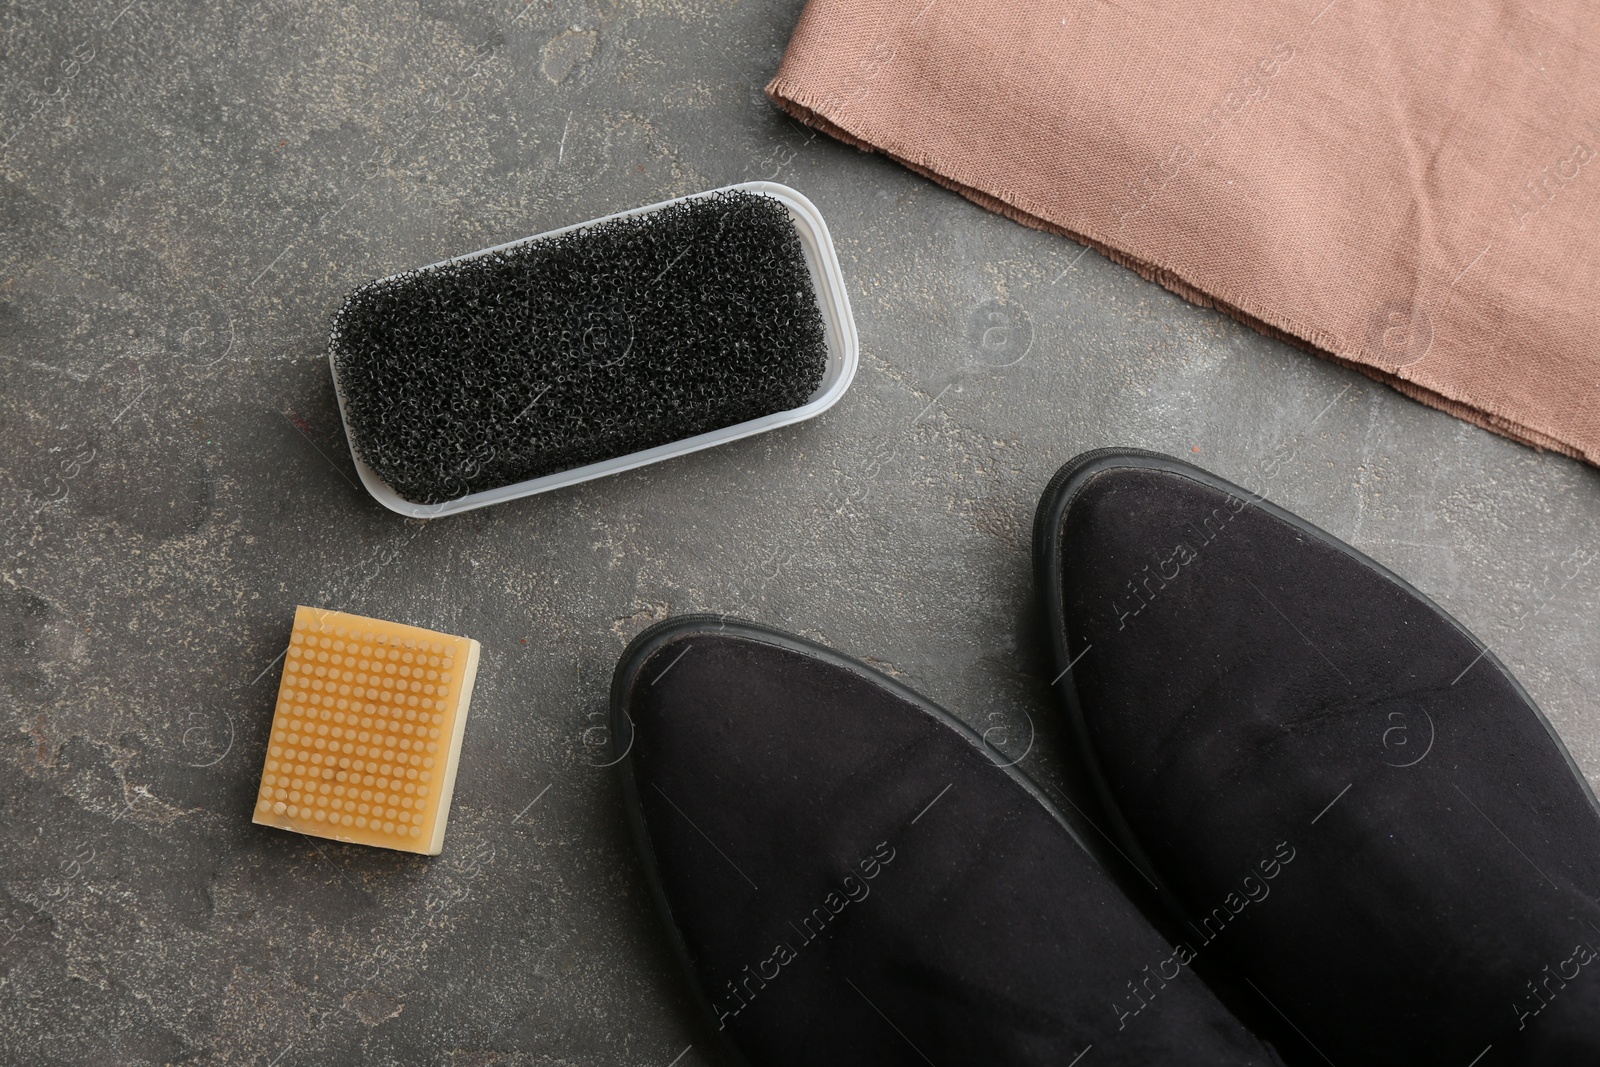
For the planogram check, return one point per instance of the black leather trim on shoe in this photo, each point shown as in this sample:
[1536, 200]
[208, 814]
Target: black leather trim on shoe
[851, 876]
[1240, 682]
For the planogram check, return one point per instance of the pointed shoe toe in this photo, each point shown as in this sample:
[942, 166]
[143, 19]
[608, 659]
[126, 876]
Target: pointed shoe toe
[1347, 799]
[849, 876]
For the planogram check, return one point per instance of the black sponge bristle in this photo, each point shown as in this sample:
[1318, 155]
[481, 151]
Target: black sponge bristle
[564, 351]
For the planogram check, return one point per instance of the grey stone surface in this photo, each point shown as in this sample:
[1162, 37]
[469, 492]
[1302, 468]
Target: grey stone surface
[187, 190]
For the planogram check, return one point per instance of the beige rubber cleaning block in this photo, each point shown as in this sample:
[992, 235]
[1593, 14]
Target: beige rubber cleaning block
[367, 733]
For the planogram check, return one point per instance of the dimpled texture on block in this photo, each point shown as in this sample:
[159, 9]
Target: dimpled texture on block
[563, 351]
[367, 731]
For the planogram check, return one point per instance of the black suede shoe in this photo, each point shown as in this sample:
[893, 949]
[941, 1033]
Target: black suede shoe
[1348, 799]
[850, 876]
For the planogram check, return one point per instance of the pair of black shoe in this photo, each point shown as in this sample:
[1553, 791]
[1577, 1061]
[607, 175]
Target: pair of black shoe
[1365, 836]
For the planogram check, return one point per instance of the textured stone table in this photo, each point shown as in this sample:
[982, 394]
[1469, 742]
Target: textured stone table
[188, 190]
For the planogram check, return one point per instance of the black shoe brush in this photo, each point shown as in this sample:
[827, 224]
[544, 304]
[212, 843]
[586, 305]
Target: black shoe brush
[581, 350]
